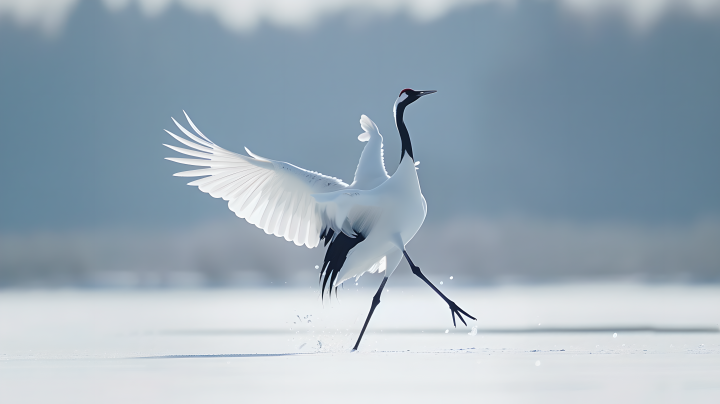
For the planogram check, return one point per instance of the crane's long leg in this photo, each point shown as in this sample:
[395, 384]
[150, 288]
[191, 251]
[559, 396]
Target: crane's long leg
[454, 309]
[375, 302]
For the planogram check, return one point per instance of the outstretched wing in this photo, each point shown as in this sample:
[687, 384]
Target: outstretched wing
[273, 195]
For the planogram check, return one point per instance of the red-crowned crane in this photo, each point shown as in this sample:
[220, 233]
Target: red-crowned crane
[366, 224]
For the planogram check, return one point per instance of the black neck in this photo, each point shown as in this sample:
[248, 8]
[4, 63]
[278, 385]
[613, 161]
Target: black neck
[404, 135]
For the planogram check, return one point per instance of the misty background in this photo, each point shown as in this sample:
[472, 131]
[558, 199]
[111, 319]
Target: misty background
[568, 140]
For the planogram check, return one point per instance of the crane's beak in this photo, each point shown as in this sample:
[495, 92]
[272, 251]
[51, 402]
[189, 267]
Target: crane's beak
[421, 93]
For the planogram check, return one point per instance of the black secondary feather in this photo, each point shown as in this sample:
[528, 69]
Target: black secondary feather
[335, 256]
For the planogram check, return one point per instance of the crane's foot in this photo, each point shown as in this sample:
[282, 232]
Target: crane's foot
[454, 309]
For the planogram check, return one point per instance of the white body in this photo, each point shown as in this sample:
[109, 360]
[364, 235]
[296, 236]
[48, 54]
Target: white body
[396, 210]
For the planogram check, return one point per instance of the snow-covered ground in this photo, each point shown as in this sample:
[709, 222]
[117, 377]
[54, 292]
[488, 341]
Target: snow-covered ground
[553, 343]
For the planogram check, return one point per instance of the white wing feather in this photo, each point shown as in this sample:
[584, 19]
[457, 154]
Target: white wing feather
[370, 171]
[273, 195]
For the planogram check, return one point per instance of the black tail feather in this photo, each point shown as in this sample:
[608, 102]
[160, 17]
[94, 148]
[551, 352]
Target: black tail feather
[335, 257]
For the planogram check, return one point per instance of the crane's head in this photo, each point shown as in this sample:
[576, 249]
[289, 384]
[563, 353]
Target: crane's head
[407, 97]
